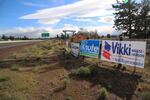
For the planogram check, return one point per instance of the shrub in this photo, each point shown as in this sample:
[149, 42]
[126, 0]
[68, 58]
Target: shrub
[74, 71]
[66, 80]
[35, 70]
[94, 70]
[14, 56]
[103, 92]
[4, 78]
[14, 68]
[49, 47]
[84, 71]
[124, 69]
[145, 95]
[68, 98]
[46, 47]
[5, 96]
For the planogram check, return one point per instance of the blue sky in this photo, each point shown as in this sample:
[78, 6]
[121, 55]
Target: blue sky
[32, 17]
[11, 10]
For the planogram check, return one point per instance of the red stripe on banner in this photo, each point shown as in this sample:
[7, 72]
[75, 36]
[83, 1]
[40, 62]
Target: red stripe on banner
[106, 54]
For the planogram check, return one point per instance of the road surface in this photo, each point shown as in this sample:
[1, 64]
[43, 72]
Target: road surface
[11, 44]
[7, 47]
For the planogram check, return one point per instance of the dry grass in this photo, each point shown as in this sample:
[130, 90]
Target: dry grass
[25, 66]
[27, 61]
[18, 86]
[144, 86]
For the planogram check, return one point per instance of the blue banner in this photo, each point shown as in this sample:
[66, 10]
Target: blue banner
[90, 48]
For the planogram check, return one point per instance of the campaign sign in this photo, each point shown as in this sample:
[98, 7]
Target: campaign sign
[90, 48]
[124, 52]
[75, 49]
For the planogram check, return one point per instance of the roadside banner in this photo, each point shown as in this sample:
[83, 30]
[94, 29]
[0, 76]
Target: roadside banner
[75, 49]
[90, 48]
[124, 52]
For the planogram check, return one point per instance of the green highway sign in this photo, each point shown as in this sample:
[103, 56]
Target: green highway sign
[45, 35]
[125, 1]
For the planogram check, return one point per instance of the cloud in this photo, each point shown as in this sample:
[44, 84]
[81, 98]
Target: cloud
[107, 19]
[34, 5]
[82, 8]
[49, 21]
[70, 27]
[83, 20]
[103, 30]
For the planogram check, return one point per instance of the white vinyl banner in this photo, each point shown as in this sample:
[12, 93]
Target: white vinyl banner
[75, 49]
[124, 52]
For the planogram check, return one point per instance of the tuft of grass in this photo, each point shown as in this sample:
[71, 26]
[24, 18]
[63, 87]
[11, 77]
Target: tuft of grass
[5, 96]
[103, 92]
[4, 78]
[66, 80]
[45, 46]
[68, 98]
[94, 70]
[145, 95]
[124, 68]
[35, 70]
[84, 71]
[14, 56]
[144, 86]
[74, 71]
[14, 68]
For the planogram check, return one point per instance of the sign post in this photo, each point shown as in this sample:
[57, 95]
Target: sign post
[120, 65]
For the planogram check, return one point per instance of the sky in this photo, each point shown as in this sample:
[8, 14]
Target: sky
[33, 17]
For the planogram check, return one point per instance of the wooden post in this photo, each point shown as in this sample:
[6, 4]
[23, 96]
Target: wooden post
[99, 60]
[120, 65]
[134, 71]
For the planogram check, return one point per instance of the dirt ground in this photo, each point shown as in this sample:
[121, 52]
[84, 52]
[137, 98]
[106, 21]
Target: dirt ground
[41, 77]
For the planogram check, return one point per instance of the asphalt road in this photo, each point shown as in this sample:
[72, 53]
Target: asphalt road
[16, 44]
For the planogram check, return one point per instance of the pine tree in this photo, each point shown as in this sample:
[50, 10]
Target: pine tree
[125, 17]
[145, 17]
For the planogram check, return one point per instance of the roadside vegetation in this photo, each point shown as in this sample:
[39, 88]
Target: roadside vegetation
[47, 71]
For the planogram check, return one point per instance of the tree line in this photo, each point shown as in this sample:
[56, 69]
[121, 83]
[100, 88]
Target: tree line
[4, 37]
[89, 34]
